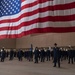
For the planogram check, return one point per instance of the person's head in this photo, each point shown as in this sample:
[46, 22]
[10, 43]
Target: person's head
[36, 48]
[55, 44]
[3, 48]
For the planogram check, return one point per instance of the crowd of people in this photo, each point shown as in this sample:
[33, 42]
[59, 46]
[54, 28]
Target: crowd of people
[56, 54]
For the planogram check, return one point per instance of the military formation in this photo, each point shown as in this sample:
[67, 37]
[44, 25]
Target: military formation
[41, 55]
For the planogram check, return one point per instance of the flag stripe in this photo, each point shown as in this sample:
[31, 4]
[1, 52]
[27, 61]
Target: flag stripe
[52, 2]
[51, 7]
[40, 20]
[14, 32]
[37, 25]
[40, 30]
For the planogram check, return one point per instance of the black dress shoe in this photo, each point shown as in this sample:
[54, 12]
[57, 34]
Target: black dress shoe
[54, 66]
[59, 66]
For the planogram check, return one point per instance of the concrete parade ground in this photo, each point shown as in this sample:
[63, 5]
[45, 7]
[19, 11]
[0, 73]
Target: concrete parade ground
[25, 67]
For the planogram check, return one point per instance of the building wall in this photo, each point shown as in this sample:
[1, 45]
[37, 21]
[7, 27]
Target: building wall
[45, 40]
[8, 43]
[40, 40]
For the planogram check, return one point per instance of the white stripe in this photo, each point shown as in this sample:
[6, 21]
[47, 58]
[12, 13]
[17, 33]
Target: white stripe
[57, 2]
[37, 25]
[54, 2]
[28, 2]
[56, 12]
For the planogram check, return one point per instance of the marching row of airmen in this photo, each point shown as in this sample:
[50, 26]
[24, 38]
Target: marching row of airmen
[56, 54]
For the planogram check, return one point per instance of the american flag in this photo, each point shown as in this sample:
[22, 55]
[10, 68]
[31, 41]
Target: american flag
[22, 17]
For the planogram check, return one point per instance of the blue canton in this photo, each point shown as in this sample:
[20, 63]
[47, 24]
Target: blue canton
[9, 7]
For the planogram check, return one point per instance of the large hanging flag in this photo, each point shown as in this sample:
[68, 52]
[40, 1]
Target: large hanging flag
[22, 17]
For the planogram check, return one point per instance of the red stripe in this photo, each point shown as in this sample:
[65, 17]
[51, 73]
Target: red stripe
[64, 6]
[40, 30]
[22, 0]
[53, 7]
[38, 20]
[34, 3]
